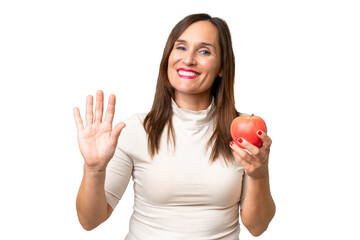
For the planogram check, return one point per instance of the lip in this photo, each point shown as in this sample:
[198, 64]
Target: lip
[187, 70]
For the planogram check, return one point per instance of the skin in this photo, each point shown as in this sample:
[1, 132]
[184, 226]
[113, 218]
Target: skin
[258, 208]
[197, 49]
[97, 142]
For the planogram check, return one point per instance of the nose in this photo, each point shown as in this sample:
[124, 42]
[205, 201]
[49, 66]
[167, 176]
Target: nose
[189, 59]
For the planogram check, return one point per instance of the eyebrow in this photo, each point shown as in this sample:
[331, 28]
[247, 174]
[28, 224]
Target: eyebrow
[201, 43]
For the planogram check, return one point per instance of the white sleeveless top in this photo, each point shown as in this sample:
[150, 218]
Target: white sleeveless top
[178, 194]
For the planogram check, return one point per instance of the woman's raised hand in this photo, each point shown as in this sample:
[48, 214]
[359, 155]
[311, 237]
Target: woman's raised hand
[97, 140]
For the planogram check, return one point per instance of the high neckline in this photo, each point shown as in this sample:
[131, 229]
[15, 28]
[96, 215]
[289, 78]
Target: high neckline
[193, 119]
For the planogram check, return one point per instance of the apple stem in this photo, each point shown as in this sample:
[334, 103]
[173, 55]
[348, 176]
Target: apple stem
[251, 116]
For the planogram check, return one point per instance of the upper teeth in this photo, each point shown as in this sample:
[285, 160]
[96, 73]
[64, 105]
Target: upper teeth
[186, 73]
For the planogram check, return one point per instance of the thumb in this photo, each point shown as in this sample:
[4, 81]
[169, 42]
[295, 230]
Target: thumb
[115, 133]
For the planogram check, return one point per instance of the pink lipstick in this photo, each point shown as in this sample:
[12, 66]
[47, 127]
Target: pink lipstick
[187, 73]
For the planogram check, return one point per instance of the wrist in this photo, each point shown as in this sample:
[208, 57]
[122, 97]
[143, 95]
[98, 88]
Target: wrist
[94, 169]
[263, 174]
[260, 181]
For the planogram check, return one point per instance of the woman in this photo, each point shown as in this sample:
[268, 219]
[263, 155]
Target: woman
[190, 179]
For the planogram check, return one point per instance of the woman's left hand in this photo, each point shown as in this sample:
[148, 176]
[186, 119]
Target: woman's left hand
[255, 163]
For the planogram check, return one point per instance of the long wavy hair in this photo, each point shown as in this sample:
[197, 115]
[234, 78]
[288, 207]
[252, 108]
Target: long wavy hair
[222, 90]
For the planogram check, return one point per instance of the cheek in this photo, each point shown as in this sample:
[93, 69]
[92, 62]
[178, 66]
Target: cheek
[173, 59]
[170, 64]
[213, 67]
[171, 70]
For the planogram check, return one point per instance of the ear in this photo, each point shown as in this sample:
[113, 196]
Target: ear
[220, 73]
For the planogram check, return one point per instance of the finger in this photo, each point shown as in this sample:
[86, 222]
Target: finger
[243, 162]
[265, 138]
[99, 108]
[78, 120]
[240, 153]
[115, 133]
[109, 115]
[255, 151]
[89, 110]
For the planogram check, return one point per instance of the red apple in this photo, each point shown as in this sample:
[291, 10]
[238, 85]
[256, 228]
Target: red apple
[246, 126]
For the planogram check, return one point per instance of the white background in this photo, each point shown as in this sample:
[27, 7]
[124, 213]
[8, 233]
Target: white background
[297, 66]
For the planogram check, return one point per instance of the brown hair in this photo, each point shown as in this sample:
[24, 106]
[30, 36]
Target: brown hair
[222, 90]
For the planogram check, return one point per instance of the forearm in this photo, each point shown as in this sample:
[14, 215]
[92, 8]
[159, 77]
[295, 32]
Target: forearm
[91, 203]
[258, 207]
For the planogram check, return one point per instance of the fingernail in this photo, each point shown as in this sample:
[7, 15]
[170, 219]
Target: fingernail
[231, 143]
[259, 132]
[240, 140]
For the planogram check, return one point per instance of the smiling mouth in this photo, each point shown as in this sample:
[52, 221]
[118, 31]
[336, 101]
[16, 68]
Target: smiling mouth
[187, 73]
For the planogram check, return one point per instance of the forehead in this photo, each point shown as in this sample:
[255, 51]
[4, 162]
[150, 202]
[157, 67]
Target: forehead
[201, 31]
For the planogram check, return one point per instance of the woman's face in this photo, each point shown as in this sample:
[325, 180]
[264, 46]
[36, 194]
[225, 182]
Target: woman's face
[195, 60]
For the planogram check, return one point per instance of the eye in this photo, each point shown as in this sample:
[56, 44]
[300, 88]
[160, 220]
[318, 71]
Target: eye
[205, 52]
[181, 48]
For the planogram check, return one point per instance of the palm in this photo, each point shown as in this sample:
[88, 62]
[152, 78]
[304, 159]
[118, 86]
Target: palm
[94, 142]
[97, 141]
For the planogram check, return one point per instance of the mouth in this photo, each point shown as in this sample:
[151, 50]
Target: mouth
[187, 73]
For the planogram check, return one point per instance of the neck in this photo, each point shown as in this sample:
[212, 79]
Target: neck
[196, 102]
